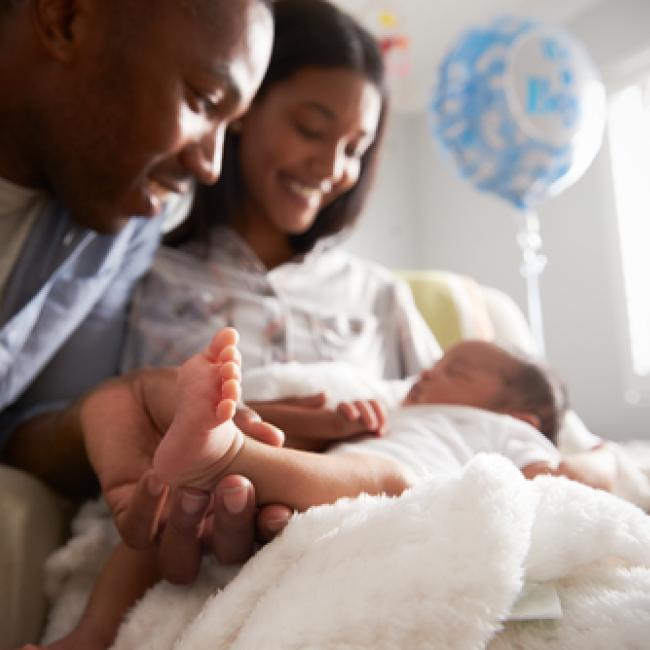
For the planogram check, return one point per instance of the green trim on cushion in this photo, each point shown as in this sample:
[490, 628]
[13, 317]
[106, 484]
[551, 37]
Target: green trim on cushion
[434, 296]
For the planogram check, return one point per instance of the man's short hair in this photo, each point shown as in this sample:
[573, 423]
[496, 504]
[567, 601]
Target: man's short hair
[6, 5]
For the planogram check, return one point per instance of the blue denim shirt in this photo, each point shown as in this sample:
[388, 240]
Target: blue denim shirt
[63, 312]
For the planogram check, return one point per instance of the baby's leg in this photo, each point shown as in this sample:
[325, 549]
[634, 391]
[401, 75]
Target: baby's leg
[202, 438]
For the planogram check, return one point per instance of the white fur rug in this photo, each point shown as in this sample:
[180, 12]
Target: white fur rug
[438, 567]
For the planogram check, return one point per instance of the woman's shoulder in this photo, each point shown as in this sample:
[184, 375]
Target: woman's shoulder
[174, 261]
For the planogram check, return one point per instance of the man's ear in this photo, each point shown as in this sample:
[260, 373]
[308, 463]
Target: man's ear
[58, 24]
[530, 418]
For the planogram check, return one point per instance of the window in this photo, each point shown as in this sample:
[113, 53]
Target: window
[629, 133]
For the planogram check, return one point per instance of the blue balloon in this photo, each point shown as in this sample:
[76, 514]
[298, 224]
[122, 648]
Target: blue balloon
[521, 109]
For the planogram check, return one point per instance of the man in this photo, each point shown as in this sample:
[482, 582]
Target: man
[108, 108]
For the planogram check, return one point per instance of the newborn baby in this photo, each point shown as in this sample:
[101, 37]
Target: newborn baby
[477, 398]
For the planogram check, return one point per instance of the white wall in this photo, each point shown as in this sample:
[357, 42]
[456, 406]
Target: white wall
[388, 231]
[423, 216]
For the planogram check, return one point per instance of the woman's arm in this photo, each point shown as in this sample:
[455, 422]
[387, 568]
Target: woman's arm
[308, 424]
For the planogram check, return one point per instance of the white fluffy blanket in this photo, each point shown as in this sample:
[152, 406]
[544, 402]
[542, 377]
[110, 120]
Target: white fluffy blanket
[438, 567]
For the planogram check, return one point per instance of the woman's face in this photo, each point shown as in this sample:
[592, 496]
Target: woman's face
[302, 143]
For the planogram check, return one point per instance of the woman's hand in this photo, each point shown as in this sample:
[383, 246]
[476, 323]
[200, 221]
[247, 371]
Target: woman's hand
[309, 425]
[367, 414]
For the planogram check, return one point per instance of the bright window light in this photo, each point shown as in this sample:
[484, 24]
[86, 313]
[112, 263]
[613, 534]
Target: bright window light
[629, 132]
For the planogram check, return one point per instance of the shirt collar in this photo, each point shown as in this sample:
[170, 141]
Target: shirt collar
[228, 246]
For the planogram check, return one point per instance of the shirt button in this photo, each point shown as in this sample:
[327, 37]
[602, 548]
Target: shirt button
[69, 238]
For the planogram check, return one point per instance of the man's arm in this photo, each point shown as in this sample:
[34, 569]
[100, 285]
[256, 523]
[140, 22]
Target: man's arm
[115, 429]
[51, 447]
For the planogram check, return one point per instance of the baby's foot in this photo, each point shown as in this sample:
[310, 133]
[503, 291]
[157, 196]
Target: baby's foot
[202, 439]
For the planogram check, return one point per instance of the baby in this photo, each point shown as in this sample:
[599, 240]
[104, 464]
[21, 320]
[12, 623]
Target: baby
[202, 444]
[457, 409]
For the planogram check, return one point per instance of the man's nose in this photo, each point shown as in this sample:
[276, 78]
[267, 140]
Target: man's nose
[204, 157]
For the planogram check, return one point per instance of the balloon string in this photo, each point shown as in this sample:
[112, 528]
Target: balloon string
[533, 263]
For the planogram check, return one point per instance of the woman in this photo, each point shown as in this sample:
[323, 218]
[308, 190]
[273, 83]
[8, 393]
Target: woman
[259, 250]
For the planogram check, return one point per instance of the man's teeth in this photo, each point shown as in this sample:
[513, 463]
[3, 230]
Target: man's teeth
[158, 190]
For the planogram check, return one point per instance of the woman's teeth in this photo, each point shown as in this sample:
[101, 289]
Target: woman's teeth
[311, 195]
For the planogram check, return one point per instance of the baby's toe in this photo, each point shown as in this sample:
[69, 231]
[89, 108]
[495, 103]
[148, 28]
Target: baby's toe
[230, 354]
[231, 390]
[230, 370]
[226, 410]
[222, 340]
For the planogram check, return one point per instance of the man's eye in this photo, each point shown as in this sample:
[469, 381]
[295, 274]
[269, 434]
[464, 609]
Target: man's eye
[206, 102]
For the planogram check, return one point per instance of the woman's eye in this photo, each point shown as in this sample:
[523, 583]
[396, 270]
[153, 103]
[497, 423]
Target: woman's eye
[356, 151]
[311, 134]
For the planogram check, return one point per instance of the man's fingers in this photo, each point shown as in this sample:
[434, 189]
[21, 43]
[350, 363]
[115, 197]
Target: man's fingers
[244, 415]
[252, 425]
[271, 520]
[179, 553]
[233, 526]
[262, 431]
[137, 522]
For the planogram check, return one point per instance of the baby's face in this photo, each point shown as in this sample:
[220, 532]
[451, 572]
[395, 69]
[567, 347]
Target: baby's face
[471, 373]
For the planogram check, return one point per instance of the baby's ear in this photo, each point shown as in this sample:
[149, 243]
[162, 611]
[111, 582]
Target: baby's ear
[528, 417]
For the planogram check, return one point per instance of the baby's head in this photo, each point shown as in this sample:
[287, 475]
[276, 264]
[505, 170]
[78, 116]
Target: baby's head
[483, 375]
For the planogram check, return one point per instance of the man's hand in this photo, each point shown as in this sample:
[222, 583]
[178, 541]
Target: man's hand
[123, 422]
[309, 425]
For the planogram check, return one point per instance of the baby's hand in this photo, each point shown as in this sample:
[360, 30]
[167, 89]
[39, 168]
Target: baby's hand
[370, 414]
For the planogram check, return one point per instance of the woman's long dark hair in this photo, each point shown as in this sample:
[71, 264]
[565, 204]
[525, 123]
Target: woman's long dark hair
[308, 33]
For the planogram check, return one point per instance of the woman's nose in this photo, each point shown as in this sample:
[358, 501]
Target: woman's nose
[331, 163]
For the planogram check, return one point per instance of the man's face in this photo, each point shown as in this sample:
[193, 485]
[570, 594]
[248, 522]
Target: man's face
[146, 103]
[471, 373]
